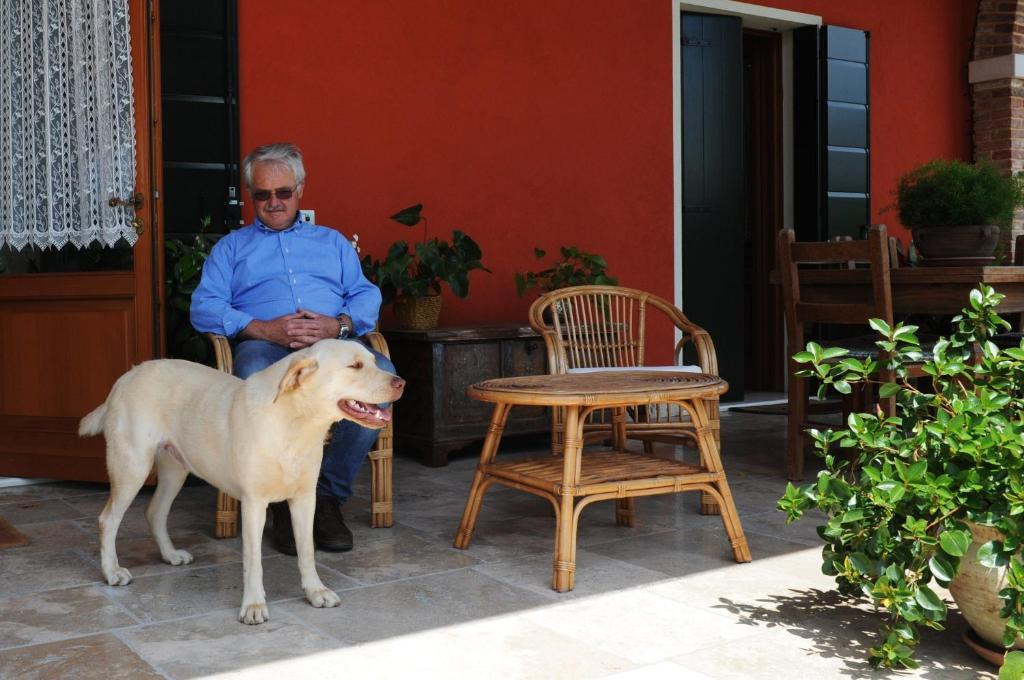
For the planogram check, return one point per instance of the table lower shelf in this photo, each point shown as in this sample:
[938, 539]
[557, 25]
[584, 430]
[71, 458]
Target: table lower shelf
[627, 474]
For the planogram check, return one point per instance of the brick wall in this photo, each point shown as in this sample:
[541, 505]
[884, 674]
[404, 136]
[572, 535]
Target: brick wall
[998, 105]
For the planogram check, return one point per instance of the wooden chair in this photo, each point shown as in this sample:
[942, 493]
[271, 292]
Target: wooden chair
[587, 328]
[381, 507]
[1013, 337]
[802, 311]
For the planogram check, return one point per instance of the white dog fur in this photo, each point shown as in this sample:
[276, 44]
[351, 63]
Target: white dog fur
[260, 440]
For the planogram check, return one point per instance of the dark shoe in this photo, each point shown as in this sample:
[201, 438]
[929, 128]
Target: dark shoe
[329, 530]
[281, 529]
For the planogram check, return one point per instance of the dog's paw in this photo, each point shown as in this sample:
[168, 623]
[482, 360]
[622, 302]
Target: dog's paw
[119, 577]
[178, 557]
[323, 597]
[252, 614]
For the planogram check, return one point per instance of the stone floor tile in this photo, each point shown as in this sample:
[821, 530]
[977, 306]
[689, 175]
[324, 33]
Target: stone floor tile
[217, 643]
[401, 607]
[595, 574]
[673, 553]
[48, 536]
[188, 592]
[507, 647]
[31, 510]
[816, 653]
[98, 657]
[759, 591]
[56, 614]
[773, 523]
[638, 625]
[30, 571]
[397, 553]
[501, 539]
[663, 669]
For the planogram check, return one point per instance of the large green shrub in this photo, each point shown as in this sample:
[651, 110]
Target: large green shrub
[897, 500]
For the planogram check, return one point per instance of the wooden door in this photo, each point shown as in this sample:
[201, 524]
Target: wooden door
[713, 199]
[66, 336]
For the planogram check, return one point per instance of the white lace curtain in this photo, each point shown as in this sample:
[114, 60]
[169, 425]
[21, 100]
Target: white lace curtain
[67, 137]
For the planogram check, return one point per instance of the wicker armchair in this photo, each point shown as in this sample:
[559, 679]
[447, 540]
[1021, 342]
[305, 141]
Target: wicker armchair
[381, 507]
[606, 328]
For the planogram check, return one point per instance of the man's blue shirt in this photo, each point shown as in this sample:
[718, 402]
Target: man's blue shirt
[258, 273]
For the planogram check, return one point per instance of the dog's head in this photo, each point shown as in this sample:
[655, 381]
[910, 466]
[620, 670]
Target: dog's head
[340, 379]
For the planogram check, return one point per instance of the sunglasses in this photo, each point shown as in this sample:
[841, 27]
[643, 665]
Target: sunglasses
[281, 194]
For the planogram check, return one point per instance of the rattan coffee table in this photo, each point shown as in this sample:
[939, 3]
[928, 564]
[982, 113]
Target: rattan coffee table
[574, 480]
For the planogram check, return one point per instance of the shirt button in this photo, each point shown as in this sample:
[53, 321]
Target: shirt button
[300, 299]
[290, 271]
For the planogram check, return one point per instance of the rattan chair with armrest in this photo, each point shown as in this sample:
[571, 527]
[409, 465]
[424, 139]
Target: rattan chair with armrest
[381, 506]
[588, 328]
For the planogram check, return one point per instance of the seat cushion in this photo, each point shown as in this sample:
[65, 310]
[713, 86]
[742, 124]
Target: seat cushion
[671, 369]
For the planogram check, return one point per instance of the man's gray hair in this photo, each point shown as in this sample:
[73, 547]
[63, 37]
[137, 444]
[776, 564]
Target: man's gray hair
[281, 153]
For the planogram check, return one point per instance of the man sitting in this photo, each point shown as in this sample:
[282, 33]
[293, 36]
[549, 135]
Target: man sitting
[279, 285]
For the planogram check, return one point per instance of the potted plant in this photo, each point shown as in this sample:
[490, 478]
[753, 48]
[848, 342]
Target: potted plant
[932, 496]
[410, 278]
[183, 267]
[957, 210]
[575, 268]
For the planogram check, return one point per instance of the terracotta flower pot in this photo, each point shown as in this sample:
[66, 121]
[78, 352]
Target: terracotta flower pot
[975, 590]
[417, 314]
[952, 245]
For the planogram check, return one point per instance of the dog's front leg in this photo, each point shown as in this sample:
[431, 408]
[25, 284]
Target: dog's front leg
[254, 599]
[302, 509]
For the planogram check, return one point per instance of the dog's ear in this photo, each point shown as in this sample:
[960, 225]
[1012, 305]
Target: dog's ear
[298, 372]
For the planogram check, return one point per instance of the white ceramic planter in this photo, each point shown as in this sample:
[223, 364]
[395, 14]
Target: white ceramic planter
[975, 590]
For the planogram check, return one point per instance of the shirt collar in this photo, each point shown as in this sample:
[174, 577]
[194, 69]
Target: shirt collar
[297, 225]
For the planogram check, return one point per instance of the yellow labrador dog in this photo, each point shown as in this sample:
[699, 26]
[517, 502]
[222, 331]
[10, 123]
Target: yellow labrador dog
[260, 440]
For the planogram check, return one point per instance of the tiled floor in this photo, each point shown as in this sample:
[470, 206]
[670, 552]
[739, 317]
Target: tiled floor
[663, 599]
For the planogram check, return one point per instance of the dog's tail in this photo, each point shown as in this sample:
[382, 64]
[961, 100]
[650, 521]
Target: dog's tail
[92, 424]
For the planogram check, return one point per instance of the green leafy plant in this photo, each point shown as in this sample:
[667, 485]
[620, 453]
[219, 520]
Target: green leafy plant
[575, 268]
[897, 503]
[420, 270]
[952, 193]
[183, 267]
[1013, 667]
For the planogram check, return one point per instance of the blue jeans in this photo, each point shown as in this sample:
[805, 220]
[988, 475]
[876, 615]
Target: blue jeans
[348, 443]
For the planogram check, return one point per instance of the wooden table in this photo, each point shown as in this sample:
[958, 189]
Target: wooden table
[916, 290]
[573, 480]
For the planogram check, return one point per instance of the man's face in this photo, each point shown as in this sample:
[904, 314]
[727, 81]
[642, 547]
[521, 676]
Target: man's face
[270, 178]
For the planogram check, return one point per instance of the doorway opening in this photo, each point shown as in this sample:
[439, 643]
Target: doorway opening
[764, 344]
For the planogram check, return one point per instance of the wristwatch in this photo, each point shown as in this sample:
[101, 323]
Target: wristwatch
[344, 330]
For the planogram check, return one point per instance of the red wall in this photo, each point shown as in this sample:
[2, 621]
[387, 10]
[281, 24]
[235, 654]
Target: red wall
[541, 123]
[528, 123]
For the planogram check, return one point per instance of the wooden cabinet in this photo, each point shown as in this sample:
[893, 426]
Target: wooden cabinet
[434, 416]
